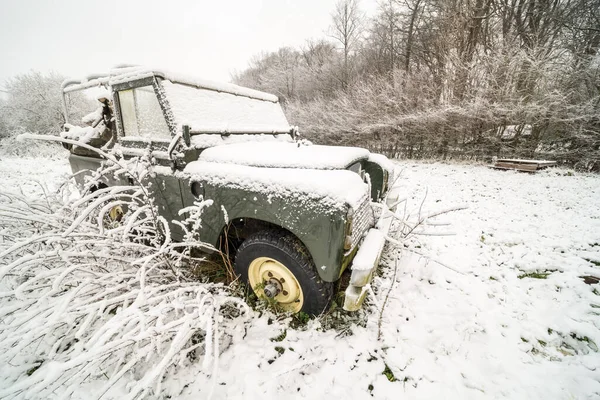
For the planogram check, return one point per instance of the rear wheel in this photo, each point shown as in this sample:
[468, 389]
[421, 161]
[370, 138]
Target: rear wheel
[112, 217]
[276, 265]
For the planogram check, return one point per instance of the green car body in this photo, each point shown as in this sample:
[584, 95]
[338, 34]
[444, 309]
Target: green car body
[331, 233]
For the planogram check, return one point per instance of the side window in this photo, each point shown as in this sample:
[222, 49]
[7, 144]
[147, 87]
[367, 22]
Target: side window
[141, 113]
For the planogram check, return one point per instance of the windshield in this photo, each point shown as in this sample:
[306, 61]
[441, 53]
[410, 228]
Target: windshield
[141, 113]
[210, 111]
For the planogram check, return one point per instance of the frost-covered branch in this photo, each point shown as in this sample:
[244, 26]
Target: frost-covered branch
[405, 226]
[84, 296]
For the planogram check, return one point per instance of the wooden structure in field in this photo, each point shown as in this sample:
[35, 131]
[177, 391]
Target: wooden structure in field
[522, 165]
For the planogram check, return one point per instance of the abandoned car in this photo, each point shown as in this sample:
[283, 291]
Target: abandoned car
[301, 213]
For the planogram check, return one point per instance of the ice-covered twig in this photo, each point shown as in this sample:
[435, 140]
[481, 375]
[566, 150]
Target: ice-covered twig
[385, 300]
[435, 261]
[83, 300]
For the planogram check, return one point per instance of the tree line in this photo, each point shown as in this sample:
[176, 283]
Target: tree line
[420, 79]
[447, 79]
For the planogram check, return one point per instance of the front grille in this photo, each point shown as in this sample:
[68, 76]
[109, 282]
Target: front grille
[362, 220]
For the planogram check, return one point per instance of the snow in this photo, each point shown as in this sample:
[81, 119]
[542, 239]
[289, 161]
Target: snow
[285, 155]
[218, 86]
[73, 85]
[14, 148]
[384, 163]
[93, 129]
[206, 106]
[369, 250]
[92, 117]
[33, 176]
[482, 330]
[337, 188]
[209, 111]
[206, 140]
[128, 73]
[83, 134]
[144, 139]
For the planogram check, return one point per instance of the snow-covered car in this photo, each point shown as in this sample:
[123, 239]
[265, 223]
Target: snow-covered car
[297, 214]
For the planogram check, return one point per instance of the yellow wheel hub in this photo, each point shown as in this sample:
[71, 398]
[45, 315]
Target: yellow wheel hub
[265, 272]
[115, 214]
[112, 219]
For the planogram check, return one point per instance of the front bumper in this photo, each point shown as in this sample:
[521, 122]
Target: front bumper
[367, 258]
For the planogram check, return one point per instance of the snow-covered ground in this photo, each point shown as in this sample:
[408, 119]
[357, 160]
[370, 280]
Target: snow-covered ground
[32, 176]
[474, 320]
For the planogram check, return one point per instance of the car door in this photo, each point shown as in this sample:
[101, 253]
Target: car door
[144, 132]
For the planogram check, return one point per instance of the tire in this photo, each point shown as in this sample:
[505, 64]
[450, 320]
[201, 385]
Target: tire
[113, 217]
[265, 253]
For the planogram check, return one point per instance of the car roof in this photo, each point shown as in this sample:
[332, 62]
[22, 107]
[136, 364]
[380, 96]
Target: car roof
[129, 73]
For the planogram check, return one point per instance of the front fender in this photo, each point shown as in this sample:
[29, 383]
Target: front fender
[318, 226]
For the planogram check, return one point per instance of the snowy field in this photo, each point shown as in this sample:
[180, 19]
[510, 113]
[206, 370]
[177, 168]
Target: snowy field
[499, 308]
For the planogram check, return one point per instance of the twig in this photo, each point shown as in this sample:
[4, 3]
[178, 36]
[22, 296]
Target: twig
[435, 261]
[385, 301]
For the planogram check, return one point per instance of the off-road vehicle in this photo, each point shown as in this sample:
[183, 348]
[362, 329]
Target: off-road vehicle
[299, 213]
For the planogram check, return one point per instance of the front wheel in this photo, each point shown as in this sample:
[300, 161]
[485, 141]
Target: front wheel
[276, 265]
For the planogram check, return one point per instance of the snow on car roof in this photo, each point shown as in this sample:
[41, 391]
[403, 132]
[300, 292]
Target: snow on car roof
[217, 86]
[336, 187]
[131, 73]
[285, 155]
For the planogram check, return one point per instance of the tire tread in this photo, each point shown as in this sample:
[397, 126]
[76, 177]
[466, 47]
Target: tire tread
[315, 301]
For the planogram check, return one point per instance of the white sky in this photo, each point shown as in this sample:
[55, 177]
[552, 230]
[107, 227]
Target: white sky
[209, 39]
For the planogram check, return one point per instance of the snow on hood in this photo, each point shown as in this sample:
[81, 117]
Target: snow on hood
[338, 187]
[206, 140]
[285, 155]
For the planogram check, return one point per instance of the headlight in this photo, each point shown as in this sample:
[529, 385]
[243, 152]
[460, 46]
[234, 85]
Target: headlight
[349, 221]
[392, 197]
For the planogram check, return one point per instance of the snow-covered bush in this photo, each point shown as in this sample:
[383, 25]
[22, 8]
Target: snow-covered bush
[84, 297]
[10, 146]
[34, 103]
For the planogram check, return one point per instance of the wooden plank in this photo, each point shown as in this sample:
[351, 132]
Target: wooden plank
[523, 165]
[520, 167]
[522, 161]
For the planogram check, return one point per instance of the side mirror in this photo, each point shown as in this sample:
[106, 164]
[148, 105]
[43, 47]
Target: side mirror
[295, 133]
[186, 135]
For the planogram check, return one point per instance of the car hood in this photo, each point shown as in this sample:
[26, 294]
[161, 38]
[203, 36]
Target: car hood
[285, 155]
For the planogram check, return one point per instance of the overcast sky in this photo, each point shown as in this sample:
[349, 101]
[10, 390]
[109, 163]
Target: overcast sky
[206, 38]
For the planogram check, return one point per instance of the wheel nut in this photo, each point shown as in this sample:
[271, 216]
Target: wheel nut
[270, 274]
[282, 280]
[285, 293]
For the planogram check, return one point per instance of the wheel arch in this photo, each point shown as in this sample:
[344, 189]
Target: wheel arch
[238, 229]
[319, 228]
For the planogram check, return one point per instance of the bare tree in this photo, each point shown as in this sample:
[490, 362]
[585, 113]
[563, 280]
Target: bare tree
[347, 28]
[384, 36]
[415, 9]
[318, 75]
[441, 78]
